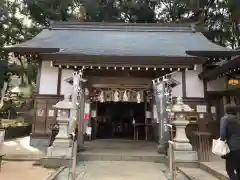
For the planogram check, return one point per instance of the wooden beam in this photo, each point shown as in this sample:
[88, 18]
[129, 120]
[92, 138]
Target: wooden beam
[39, 76]
[184, 90]
[59, 81]
[124, 61]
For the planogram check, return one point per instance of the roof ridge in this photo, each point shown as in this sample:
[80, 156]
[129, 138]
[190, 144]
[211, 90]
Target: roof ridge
[72, 25]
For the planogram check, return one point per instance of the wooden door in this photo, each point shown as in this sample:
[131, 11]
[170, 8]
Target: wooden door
[45, 115]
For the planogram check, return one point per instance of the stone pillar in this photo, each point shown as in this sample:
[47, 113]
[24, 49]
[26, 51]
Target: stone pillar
[182, 148]
[77, 109]
[80, 117]
[158, 94]
[75, 91]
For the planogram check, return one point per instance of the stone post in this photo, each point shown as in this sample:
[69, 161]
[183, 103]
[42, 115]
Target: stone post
[80, 118]
[77, 107]
[182, 148]
[75, 90]
[158, 93]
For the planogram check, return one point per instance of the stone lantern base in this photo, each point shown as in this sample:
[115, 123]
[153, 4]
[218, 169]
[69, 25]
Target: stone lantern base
[182, 148]
[185, 156]
[59, 154]
[61, 144]
[60, 148]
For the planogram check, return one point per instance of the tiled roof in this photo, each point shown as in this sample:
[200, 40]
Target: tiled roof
[114, 39]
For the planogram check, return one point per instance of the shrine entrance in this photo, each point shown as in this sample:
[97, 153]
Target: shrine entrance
[119, 120]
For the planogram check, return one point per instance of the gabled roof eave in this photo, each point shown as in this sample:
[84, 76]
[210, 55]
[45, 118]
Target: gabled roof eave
[214, 73]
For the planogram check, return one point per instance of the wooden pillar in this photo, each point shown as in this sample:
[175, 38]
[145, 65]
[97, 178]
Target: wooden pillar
[146, 120]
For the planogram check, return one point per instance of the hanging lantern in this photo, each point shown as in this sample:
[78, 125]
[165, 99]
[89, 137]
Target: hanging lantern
[86, 92]
[233, 82]
[101, 97]
[125, 96]
[138, 97]
[116, 96]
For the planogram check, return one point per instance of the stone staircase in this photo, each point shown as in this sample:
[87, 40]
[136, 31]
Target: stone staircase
[113, 150]
[111, 156]
[121, 150]
[206, 170]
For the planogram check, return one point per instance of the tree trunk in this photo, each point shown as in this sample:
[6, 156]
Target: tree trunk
[3, 93]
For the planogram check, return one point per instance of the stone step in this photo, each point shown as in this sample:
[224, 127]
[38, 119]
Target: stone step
[181, 176]
[196, 174]
[55, 162]
[118, 157]
[20, 158]
[218, 172]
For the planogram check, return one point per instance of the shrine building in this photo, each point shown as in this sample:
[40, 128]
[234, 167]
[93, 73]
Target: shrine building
[119, 62]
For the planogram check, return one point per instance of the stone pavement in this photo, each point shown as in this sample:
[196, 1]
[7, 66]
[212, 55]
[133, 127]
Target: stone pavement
[117, 170]
[13, 170]
[20, 149]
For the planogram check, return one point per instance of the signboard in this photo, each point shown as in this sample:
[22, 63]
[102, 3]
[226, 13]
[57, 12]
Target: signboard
[93, 113]
[86, 116]
[89, 131]
[201, 108]
[233, 82]
[86, 111]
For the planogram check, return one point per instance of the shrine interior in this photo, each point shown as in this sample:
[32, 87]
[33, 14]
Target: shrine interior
[119, 119]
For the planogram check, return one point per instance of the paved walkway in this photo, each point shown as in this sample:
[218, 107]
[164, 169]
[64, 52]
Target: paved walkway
[117, 170]
[23, 170]
[20, 148]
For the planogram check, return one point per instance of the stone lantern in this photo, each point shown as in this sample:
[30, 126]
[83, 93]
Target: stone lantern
[182, 148]
[60, 147]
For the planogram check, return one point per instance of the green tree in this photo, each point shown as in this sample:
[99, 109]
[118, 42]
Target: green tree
[116, 10]
[14, 28]
[220, 23]
[92, 10]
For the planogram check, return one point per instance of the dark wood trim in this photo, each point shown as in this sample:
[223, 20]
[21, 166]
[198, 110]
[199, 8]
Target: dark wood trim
[31, 50]
[191, 99]
[39, 76]
[47, 96]
[184, 90]
[210, 53]
[194, 99]
[97, 60]
[59, 81]
[205, 88]
[228, 92]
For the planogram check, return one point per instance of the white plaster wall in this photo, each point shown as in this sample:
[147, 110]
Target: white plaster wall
[66, 88]
[177, 91]
[48, 79]
[217, 85]
[194, 86]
